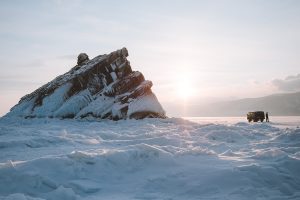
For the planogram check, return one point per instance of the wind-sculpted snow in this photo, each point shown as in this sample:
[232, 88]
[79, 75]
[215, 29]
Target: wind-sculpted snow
[147, 159]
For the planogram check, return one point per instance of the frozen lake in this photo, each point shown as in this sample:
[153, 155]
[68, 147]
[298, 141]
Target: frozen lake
[280, 121]
[199, 158]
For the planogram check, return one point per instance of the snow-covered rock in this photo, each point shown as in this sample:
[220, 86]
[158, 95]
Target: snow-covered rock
[104, 87]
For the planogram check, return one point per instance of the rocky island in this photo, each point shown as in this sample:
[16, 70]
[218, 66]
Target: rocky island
[104, 87]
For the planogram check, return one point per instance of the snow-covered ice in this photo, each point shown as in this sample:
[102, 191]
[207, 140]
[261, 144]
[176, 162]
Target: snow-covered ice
[224, 158]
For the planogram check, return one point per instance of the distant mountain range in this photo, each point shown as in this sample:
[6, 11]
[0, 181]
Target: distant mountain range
[286, 104]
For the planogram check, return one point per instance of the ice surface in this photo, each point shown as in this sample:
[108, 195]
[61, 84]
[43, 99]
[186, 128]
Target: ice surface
[73, 105]
[223, 158]
[52, 102]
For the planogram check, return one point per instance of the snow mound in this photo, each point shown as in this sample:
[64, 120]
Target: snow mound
[144, 104]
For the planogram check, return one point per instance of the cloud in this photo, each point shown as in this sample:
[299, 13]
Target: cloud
[67, 57]
[289, 84]
[16, 82]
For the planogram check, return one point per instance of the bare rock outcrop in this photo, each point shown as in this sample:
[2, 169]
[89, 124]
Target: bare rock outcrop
[82, 58]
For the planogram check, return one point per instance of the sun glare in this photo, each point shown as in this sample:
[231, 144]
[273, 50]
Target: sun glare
[185, 89]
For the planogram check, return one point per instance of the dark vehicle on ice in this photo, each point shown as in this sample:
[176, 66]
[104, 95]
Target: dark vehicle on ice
[256, 116]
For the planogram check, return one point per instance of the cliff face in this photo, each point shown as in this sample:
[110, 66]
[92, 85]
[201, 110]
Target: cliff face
[104, 87]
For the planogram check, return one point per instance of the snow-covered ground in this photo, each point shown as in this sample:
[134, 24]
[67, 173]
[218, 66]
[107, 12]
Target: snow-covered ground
[205, 158]
[278, 121]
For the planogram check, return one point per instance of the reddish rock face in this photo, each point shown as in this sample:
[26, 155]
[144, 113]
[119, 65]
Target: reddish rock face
[104, 87]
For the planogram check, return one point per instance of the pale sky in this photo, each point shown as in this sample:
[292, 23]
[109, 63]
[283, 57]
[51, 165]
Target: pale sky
[220, 50]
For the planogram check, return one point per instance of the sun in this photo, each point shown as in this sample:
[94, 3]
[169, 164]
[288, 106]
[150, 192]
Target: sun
[185, 89]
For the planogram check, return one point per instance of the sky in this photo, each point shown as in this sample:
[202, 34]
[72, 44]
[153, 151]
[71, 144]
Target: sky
[193, 51]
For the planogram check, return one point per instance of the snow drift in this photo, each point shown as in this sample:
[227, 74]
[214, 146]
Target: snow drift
[104, 87]
[44, 158]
